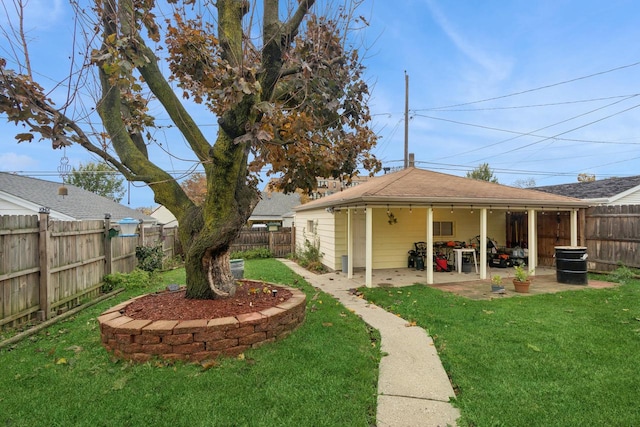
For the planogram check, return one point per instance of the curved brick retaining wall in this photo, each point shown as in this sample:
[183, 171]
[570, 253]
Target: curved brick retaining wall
[196, 340]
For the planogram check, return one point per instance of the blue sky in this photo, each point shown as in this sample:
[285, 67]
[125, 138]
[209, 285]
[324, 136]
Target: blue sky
[541, 89]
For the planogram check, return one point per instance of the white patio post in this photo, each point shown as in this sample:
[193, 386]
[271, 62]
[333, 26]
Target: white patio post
[350, 243]
[429, 259]
[533, 240]
[369, 247]
[574, 227]
[483, 245]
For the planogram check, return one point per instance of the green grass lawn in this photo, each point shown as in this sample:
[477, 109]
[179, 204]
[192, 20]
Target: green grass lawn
[566, 359]
[324, 374]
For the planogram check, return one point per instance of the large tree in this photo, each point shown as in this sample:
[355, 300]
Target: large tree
[98, 178]
[483, 173]
[288, 95]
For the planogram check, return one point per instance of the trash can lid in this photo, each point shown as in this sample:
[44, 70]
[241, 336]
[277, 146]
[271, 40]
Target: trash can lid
[128, 221]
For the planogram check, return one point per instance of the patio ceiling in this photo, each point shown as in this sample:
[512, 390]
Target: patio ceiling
[413, 186]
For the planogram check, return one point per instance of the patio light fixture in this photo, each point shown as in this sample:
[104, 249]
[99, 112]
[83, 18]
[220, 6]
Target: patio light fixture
[451, 208]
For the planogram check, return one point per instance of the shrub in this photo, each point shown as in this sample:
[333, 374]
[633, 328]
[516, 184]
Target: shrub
[170, 263]
[137, 279]
[310, 257]
[150, 257]
[622, 274]
[259, 253]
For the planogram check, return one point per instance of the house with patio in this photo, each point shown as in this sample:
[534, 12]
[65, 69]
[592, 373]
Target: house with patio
[375, 224]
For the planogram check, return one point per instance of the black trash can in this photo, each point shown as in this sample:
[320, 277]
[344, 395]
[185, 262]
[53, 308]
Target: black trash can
[571, 265]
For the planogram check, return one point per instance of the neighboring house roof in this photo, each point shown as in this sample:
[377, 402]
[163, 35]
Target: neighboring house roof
[274, 205]
[603, 191]
[419, 186]
[25, 194]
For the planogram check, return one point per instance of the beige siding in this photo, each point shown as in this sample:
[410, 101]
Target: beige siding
[341, 218]
[467, 224]
[392, 242]
[324, 231]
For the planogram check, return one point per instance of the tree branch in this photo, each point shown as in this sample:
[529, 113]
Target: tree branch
[293, 24]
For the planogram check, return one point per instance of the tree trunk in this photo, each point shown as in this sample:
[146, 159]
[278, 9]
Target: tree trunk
[207, 231]
[207, 258]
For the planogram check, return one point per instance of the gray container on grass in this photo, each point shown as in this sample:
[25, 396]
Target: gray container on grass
[237, 268]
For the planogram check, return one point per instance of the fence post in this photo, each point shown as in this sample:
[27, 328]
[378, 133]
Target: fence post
[293, 239]
[107, 244]
[141, 241]
[43, 250]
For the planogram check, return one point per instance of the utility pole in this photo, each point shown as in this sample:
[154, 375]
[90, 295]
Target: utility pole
[406, 120]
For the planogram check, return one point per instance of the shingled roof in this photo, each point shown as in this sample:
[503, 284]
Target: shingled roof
[419, 186]
[273, 205]
[79, 204]
[599, 189]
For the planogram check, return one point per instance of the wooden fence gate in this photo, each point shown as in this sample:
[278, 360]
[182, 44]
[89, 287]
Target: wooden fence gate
[280, 243]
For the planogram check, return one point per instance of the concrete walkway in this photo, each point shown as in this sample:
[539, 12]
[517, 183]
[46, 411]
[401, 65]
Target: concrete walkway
[413, 387]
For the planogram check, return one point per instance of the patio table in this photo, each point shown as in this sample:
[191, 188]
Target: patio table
[459, 253]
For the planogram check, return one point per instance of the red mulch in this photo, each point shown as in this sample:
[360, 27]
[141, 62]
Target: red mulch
[250, 297]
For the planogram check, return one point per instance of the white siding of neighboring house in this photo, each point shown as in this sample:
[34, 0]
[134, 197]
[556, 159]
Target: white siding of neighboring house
[631, 197]
[8, 208]
[287, 221]
[164, 216]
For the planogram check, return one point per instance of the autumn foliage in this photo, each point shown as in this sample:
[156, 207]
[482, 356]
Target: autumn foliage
[284, 85]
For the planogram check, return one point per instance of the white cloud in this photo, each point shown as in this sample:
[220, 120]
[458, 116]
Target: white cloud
[16, 162]
[39, 14]
[495, 65]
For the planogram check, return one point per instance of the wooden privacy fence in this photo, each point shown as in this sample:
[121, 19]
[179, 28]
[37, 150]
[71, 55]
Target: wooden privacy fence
[281, 243]
[48, 266]
[613, 235]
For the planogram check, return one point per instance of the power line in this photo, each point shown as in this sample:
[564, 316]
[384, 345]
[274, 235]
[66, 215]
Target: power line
[516, 107]
[538, 88]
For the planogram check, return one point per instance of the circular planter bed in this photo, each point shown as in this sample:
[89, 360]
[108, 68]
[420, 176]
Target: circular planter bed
[169, 326]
